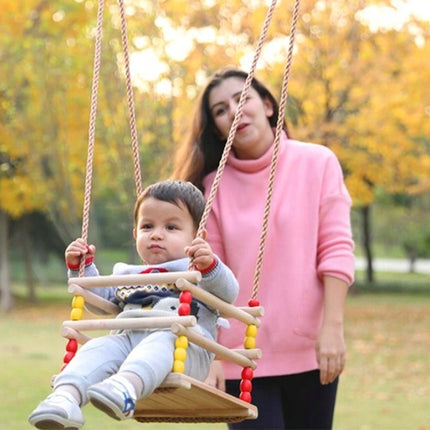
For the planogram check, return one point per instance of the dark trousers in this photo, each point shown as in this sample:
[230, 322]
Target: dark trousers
[289, 402]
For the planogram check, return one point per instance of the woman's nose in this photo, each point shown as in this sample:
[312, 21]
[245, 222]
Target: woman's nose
[232, 108]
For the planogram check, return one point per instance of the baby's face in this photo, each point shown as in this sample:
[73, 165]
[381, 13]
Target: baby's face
[162, 231]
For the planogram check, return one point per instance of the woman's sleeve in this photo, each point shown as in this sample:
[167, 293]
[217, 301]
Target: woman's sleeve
[335, 255]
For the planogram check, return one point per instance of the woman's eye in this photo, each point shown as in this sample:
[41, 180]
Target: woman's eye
[219, 111]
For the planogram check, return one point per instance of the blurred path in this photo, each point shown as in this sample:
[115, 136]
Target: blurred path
[393, 265]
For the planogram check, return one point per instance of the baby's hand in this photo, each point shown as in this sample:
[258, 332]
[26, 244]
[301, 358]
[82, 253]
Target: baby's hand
[200, 254]
[76, 250]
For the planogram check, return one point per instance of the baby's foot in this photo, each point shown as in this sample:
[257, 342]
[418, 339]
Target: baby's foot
[59, 411]
[114, 397]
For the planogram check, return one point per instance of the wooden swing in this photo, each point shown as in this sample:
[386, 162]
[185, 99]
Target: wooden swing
[180, 398]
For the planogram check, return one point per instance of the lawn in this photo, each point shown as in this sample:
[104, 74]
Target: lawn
[385, 385]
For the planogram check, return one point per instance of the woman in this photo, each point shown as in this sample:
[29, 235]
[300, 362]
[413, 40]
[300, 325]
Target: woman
[308, 260]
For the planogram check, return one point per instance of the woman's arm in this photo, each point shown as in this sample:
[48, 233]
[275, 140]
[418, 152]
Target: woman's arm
[330, 347]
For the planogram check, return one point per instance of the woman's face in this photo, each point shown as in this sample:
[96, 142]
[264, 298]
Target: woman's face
[254, 134]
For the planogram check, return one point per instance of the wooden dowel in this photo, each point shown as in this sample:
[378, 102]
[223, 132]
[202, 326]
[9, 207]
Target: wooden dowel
[70, 333]
[139, 279]
[252, 354]
[94, 299]
[212, 346]
[225, 308]
[130, 323]
[256, 311]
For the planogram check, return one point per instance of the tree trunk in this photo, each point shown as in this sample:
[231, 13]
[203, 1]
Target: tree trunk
[367, 241]
[5, 285]
[26, 251]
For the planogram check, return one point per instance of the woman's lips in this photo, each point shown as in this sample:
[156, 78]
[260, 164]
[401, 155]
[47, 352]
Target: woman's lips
[241, 127]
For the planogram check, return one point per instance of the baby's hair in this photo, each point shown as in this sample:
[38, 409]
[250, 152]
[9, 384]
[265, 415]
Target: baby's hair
[175, 191]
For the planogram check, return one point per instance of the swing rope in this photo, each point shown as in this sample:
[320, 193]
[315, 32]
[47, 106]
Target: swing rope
[93, 115]
[274, 162]
[279, 127]
[91, 132]
[78, 301]
[130, 100]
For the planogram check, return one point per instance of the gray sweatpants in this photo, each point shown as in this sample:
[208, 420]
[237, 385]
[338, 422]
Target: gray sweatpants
[147, 353]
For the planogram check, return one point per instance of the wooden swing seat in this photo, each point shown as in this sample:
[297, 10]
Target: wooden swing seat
[181, 398]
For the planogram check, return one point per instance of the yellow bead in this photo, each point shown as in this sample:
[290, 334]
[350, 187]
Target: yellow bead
[178, 366]
[76, 314]
[181, 342]
[78, 302]
[180, 354]
[249, 343]
[251, 330]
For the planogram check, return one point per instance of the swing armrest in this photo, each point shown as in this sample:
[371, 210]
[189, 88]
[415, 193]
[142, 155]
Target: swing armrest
[70, 333]
[218, 349]
[93, 299]
[226, 309]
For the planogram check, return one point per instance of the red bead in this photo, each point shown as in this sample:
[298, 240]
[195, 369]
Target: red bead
[245, 385]
[185, 297]
[246, 397]
[68, 356]
[72, 345]
[184, 309]
[247, 373]
[253, 303]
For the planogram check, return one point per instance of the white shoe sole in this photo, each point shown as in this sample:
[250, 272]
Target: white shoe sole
[47, 421]
[106, 405]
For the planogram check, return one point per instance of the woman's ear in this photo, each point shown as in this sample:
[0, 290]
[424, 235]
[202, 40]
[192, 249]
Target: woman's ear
[268, 107]
[134, 233]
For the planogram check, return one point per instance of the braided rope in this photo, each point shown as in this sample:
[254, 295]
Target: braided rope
[279, 127]
[236, 120]
[130, 101]
[92, 128]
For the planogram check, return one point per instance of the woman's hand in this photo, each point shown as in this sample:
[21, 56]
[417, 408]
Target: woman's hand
[216, 376]
[331, 352]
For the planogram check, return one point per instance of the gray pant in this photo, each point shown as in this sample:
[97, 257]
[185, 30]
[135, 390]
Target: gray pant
[147, 353]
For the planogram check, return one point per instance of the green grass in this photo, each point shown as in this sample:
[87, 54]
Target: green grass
[31, 349]
[384, 386]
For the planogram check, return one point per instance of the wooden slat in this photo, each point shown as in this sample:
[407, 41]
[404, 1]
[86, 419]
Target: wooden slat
[226, 309]
[138, 279]
[213, 346]
[184, 399]
[130, 323]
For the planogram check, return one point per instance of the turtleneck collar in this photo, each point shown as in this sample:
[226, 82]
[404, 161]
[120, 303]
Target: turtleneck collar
[254, 165]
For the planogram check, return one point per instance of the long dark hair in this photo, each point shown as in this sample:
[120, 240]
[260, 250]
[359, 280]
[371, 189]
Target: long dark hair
[201, 152]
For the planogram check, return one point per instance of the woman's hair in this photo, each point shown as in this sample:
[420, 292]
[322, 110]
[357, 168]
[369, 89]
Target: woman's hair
[175, 192]
[201, 152]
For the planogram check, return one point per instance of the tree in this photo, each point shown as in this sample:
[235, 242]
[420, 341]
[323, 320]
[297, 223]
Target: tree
[356, 90]
[353, 88]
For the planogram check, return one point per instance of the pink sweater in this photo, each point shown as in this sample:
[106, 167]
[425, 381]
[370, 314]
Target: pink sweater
[309, 235]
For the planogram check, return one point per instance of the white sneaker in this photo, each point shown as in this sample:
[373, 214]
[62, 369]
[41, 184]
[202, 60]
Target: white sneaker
[114, 397]
[59, 411]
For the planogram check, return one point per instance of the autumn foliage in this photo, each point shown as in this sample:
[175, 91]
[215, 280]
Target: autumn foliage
[360, 89]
